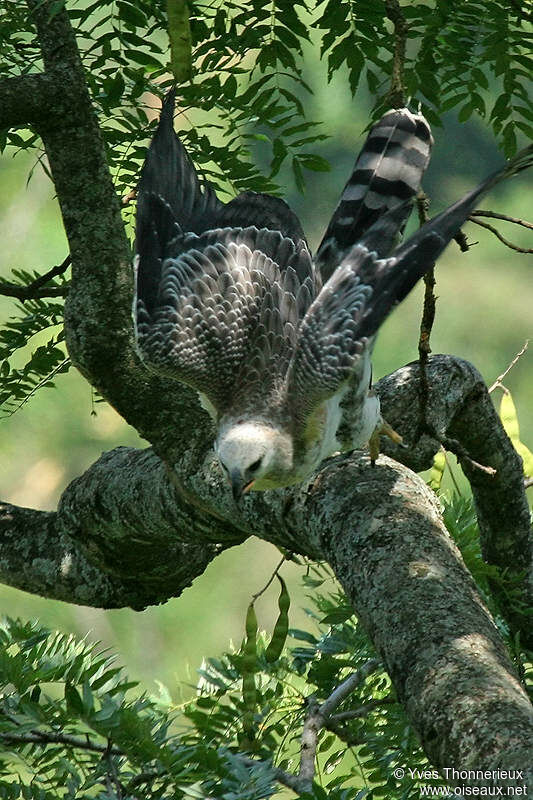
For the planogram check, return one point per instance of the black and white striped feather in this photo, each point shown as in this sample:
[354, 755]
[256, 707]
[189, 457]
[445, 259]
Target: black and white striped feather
[386, 175]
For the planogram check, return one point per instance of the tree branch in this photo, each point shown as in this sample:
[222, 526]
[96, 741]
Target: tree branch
[37, 288]
[498, 382]
[44, 737]
[122, 536]
[342, 692]
[38, 557]
[408, 585]
[318, 716]
[499, 236]
[493, 215]
[459, 408]
[313, 723]
[428, 312]
[381, 530]
[396, 95]
[29, 99]
[22, 293]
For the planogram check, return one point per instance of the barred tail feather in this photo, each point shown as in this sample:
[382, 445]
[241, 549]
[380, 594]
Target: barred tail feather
[398, 274]
[387, 173]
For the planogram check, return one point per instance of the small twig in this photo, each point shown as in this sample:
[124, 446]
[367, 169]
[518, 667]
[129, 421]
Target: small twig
[313, 723]
[345, 689]
[36, 288]
[493, 215]
[455, 447]
[265, 587]
[428, 313]
[396, 94]
[528, 483]
[498, 382]
[318, 717]
[498, 235]
[40, 737]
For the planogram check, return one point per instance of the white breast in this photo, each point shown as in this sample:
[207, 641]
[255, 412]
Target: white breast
[330, 443]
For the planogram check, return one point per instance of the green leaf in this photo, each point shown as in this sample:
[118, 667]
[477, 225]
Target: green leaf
[465, 112]
[131, 14]
[74, 701]
[298, 174]
[509, 420]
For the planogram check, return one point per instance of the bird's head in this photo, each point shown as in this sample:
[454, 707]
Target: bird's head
[254, 456]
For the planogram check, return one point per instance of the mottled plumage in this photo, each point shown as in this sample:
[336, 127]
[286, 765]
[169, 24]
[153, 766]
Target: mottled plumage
[230, 301]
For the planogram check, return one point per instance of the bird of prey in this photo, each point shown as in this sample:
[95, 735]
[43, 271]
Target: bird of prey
[229, 299]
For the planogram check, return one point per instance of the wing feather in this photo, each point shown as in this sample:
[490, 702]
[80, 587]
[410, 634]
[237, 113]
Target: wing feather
[355, 301]
[215, 283]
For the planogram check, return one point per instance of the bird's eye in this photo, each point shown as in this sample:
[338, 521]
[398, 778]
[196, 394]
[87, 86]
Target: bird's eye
[255, 466]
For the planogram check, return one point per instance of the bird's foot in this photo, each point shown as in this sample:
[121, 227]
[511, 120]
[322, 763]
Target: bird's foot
[382, 429]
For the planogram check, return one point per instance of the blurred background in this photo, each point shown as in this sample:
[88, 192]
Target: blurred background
[484, 314]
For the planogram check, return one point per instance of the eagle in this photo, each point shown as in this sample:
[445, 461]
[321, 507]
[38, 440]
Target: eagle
[277, 341]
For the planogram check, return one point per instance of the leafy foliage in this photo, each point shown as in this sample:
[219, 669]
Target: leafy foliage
[35, 319]
[73, 726]
[248, 93]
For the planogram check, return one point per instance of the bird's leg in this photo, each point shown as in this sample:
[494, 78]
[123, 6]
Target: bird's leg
[382, 428]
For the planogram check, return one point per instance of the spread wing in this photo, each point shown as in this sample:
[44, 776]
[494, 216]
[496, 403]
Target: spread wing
[220, 288]
[362, 291]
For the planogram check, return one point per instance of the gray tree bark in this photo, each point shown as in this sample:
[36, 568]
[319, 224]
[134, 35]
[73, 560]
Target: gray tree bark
[139, 526]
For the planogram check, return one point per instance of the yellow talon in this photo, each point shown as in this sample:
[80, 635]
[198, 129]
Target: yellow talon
[383, 428]
[387, 430]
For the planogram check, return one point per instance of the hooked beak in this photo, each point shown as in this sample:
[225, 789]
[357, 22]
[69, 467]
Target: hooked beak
[238, 486]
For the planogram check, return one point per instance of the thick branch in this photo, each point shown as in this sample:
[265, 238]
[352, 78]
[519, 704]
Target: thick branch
[122, 536]
[459, 408]
[38, 557]
[127, 495]
[381, 531]
[28, 99]
[409, 587]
